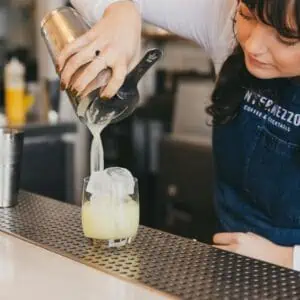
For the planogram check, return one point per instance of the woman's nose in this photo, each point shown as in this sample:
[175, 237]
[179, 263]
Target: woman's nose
[257, 41]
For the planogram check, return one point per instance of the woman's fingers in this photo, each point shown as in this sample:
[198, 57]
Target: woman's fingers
[228, 238]
[119, 72]
[74, 47]
[109, 58]
[109, 80]
[99, 82]
[89, 74]
[85, 56]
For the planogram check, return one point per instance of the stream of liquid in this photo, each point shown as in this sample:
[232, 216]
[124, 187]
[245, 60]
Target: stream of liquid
[97, 153]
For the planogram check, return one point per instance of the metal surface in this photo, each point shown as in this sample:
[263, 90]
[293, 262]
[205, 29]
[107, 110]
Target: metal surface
[181, 267]
[11, 148]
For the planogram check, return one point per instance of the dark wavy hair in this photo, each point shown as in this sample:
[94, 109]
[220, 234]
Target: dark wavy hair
[234, 77]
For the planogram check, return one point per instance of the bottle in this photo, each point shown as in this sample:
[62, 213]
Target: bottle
[14, 84]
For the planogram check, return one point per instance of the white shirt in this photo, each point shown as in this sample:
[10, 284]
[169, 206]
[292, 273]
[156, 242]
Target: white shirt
[206, 22]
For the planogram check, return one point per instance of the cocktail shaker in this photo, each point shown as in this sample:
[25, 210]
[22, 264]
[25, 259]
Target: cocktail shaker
[63, 26]
[11, 149]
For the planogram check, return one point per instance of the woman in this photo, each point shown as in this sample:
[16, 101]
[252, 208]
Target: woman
[255, 46]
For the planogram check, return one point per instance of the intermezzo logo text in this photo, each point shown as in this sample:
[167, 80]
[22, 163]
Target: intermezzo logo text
[266, 109]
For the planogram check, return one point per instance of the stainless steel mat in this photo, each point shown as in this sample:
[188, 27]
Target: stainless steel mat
[175, 265]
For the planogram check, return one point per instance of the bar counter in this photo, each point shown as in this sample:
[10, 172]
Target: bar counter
[28, 272]
[160, 265]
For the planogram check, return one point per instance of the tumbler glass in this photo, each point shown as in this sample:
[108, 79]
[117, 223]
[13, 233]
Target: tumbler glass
[110, 219]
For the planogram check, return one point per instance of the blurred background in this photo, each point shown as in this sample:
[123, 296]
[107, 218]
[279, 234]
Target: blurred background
[166, 144]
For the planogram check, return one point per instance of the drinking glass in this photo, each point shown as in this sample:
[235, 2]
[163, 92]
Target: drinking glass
[110, 220]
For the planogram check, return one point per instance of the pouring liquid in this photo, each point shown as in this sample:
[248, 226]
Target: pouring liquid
[108, 218]
[112, 218]
[97, 153]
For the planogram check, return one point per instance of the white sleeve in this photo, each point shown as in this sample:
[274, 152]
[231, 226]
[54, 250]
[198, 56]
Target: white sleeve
[296, 258]
[207, 22]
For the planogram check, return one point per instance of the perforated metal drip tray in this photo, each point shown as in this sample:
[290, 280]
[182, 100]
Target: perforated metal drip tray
[177, 266]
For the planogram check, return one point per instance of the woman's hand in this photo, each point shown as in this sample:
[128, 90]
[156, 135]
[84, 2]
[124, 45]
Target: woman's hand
[252, 245]
[112, 44]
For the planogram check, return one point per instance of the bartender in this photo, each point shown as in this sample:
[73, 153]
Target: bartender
[255, 47]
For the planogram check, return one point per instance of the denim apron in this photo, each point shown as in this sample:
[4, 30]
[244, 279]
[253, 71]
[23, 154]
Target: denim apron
[257, 167]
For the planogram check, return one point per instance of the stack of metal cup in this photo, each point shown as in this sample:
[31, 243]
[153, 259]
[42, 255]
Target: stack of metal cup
[11, 148]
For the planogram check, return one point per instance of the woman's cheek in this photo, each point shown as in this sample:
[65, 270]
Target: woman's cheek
[242, 31]
[284, 61]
